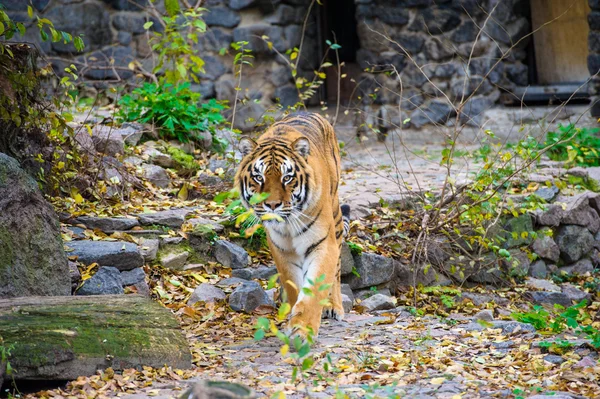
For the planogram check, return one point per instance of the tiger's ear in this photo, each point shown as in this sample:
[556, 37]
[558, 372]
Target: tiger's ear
[302, 147]
[246, 146]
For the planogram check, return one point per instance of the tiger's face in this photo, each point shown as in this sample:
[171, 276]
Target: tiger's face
[277, 170]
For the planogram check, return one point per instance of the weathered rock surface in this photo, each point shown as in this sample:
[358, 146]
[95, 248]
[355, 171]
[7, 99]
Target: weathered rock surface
[538, 269]
[231, 255]
[77, 335]
[206, 293]
[107, 225]
[149, 248]
[170, 218]
[574, 242]
[373, 270]
[249, 296]
[32, 258]
[347, 259]
[378, 302]
[549, 298]
[106, 281]
[133, 277]
[546, 248]
[174, 260]
[580, 267]
[119, 254]
[156, 175]
[251, 273]
[107, 140]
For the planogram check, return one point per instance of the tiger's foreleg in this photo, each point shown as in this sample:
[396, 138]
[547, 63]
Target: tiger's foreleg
[319, 279]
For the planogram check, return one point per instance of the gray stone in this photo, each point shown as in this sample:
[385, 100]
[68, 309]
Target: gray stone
[216, 226]
[548, 194]
[347, 303]
[465, 33]
[32, 258]
[124, 38]
[485, 315]
[157, 157]
[231, 255]
[131, 132]
[425, 275]
[286, 95]
[347, 260]
[253, 35]
[127, 5]
[549, 298]
[518, 225]
[434, 21]
[133, 161]
[574, 242]
[132, 277]
[107, 141]
[347, 290]
[149, 248]
[388, 13]
[378, 302]
[575, 294]
[174, 260]
[214, 68]
[538, 269]
[579, 212]
[106, 281]
[552, 216]
[473, 111]
[483, 299]
[119, 254]
[206, 293]
[231, 281]
[367, 293]
[286, 14]
[107, 224]
[545, 247]
[259, 273]
[372, 269]
[580, 267]
[241, 4]
[222, 16]
[129, 22]
[554, 359]
[541, 284]
[75, 275]
[171, 218]
[438, 112]
[110, 63]
[518, 73]
[248, 296]
[90, 20]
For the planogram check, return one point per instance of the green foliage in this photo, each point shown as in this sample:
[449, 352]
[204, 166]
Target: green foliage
[575, 318]
[176, 110]
[183, 159]
[176, 46]
[355, 249]
[5, 353]
[573, 145]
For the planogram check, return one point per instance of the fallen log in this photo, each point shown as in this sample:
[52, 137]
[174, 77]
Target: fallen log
[62, 338]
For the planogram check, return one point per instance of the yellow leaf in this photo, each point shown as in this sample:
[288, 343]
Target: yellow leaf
[183, 193]
[293, 56]
[271, 216]
[251, 230]
[438, 380]
[284, 349]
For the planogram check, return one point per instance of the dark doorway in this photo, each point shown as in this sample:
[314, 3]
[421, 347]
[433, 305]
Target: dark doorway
[338, 25]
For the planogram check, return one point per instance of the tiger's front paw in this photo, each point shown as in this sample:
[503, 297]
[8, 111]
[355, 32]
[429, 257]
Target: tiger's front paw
[333, 313]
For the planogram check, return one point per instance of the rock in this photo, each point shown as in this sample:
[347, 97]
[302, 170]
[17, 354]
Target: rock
[511, 327]
[157, 157]
[133, 161]
[552, 216]
[372, 269]
[75, 275]
[213, 69]
[549, 298]
[545, 285]
[574, 242]
[222, 16]
[474, 109]
[581, 267]
[286, 95]
[206, 293]
[133, 277]
[579, 212]
[129, 22]
[554, 359]
[259, 273]
[483, 299]
[170, 218]
[107, 141]
[438, 112]
[107, 225]
[485, 315]
[425, 275]
[347, 260]
[218, 390]
[241, 4]
[216, 226]
[378, 302]
[70, 336]
[131, 132]
[538, 269]
[519, 263]
[109, 63]
[106, 281]
[174, 260]
[347, 303]
[149, 248]
[32, 258]
[231, 255]
[518, 225]
[231, 281]
[94, 27]
[575, 294]
[155, 175]
[119, 254]
[545, 247]
[364, 294]
[347, 290]
[248, 296]
[167, 241]
[548, 194]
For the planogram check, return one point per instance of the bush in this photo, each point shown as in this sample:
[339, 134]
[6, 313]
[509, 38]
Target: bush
[175, 110]
[581, 146]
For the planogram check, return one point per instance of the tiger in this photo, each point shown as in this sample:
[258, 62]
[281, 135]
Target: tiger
[297, 162]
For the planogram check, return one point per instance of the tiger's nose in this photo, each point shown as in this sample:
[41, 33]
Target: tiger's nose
[273, 204]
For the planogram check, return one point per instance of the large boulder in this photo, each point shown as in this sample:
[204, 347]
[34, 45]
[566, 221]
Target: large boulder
[574, 242]
[372, 270]
[119, 254]
[32, 258]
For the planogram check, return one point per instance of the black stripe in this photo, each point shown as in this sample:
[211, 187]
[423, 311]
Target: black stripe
[308, 226]
[339, 234]
[314, 246]
[297, 265]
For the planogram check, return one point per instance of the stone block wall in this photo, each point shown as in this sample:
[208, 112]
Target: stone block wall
[442, 50]
[594, 55]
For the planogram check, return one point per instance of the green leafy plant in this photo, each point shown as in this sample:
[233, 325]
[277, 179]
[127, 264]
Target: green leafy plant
[574, 145]
[176, 110]
[355, 249]
[183, 159]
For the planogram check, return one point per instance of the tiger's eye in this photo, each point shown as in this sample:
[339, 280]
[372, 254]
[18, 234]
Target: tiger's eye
[287, 179]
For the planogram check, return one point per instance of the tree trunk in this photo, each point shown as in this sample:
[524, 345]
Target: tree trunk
[62, 338]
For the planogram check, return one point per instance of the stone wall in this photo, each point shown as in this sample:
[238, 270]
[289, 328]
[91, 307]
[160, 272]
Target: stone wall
[594, 55]
[442, 50]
